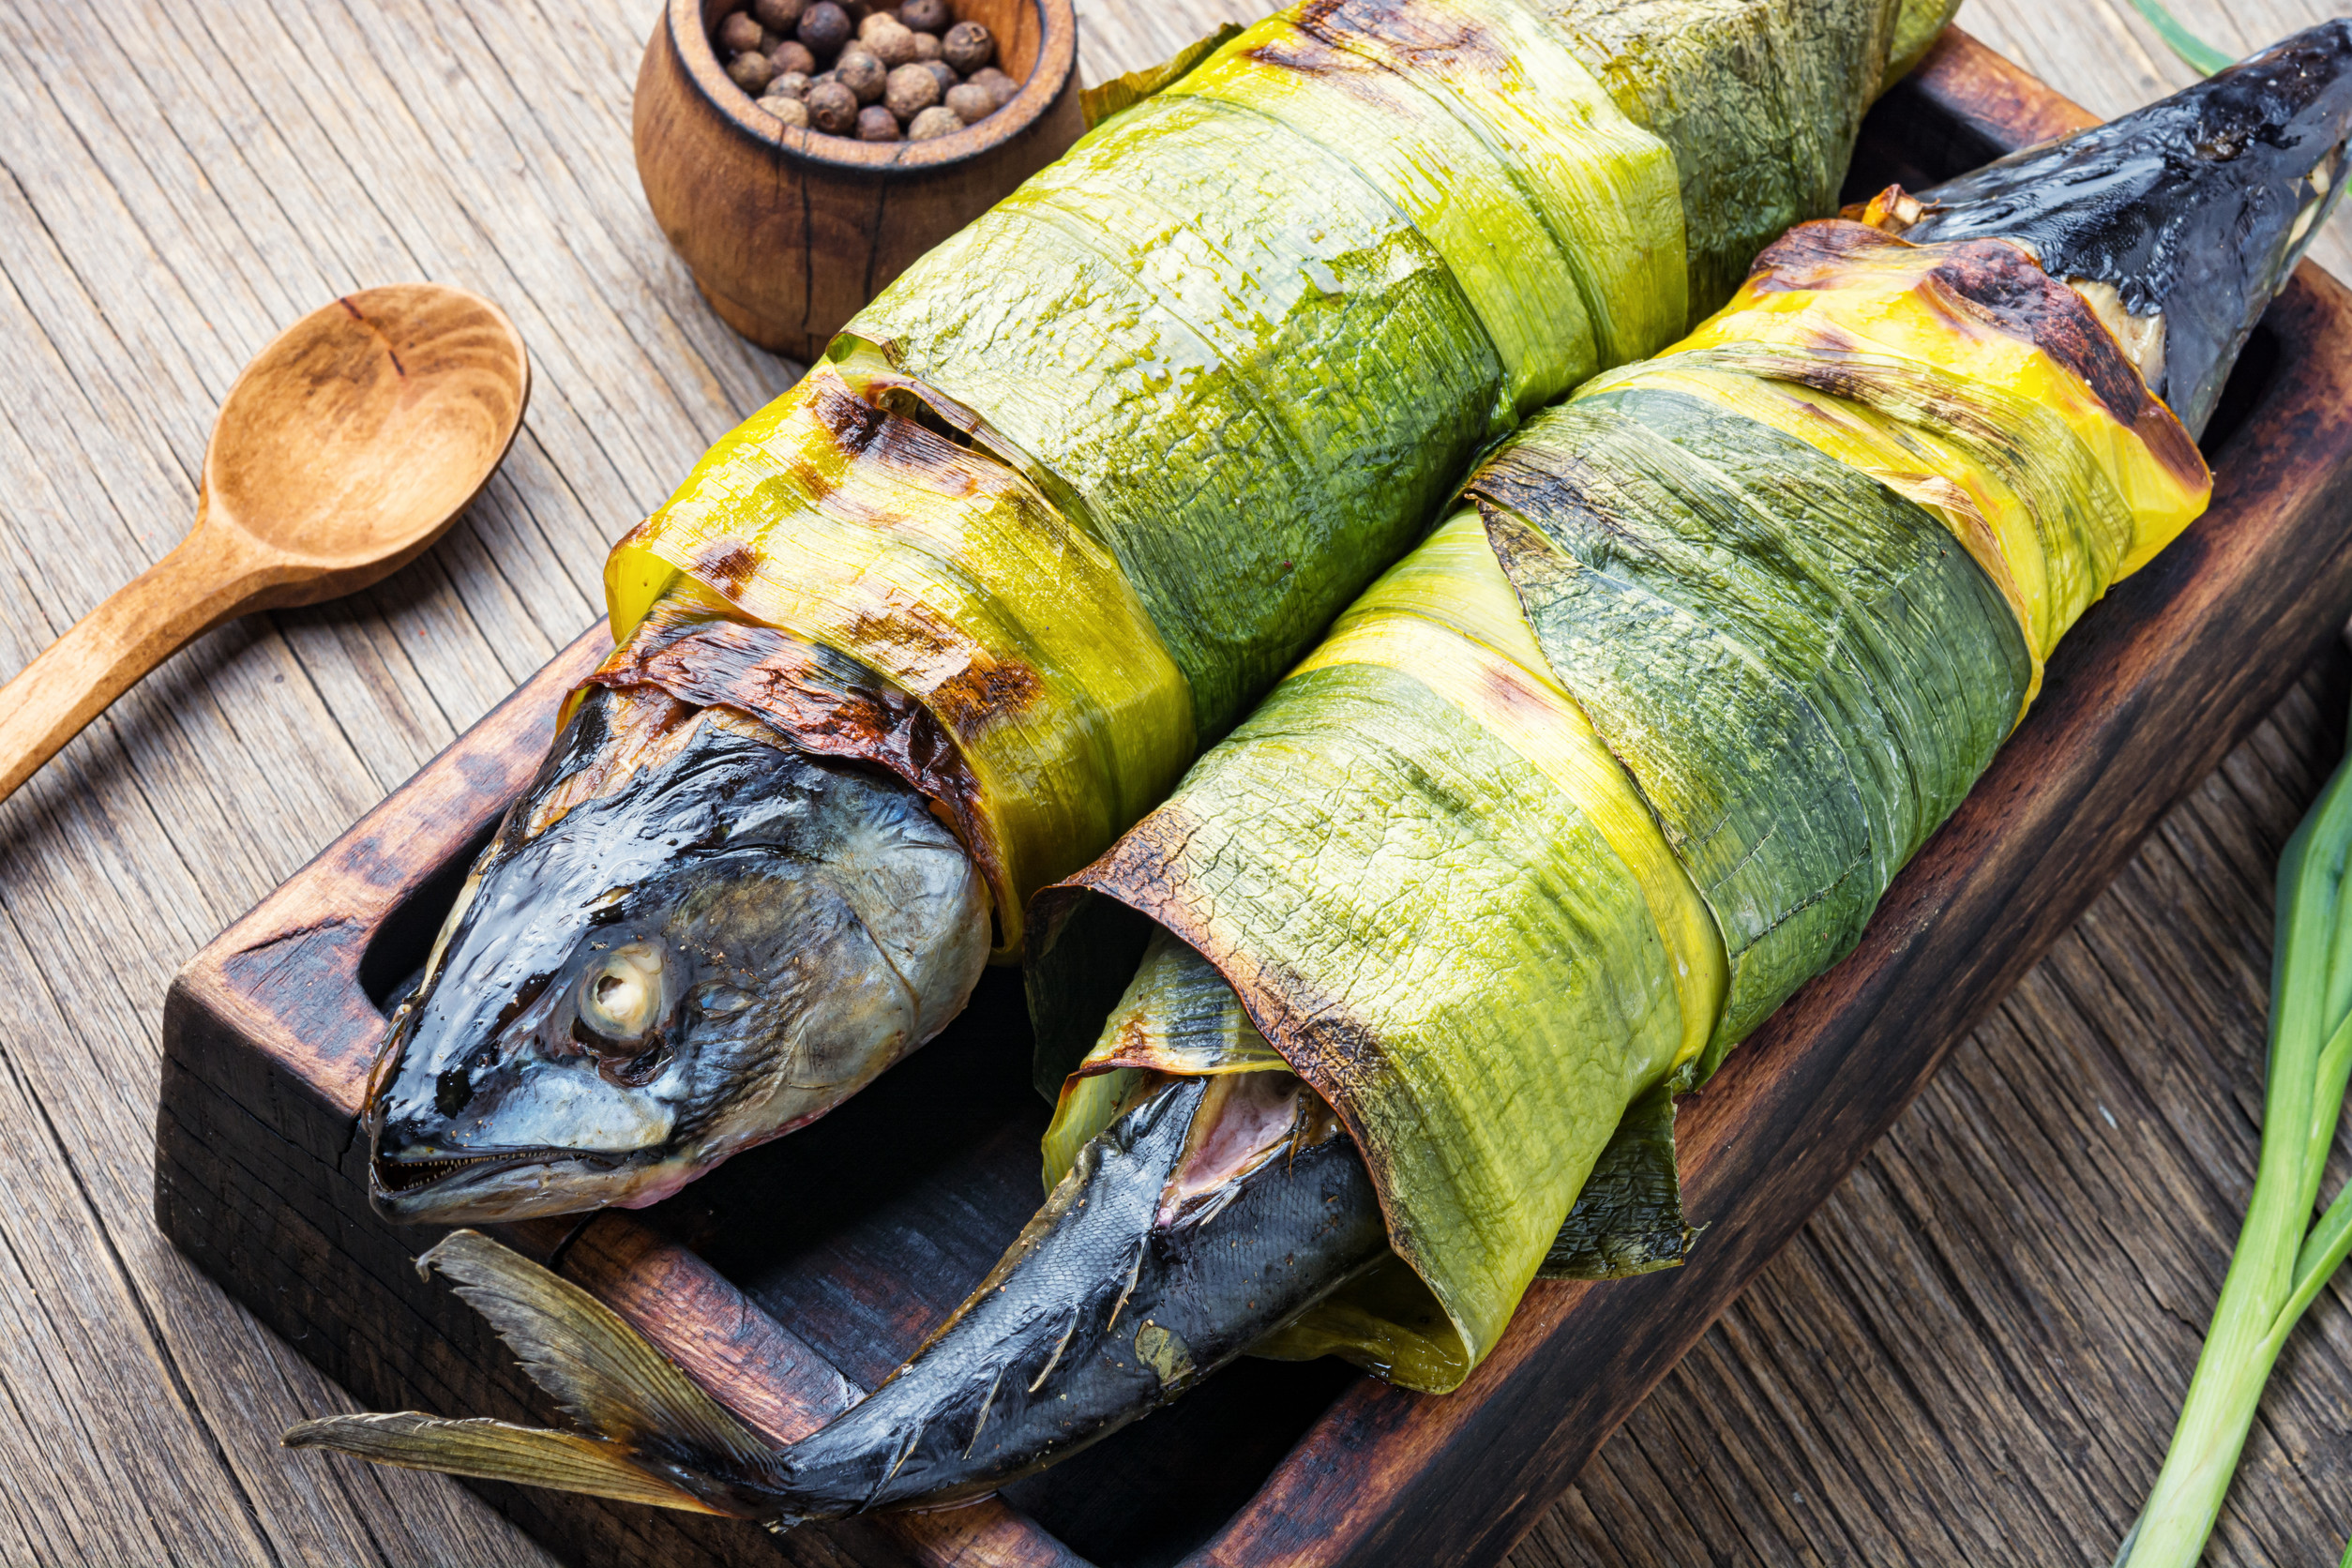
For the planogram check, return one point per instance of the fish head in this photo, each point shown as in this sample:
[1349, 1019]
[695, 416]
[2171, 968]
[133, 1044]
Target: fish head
[2180, 221]
[725, 946]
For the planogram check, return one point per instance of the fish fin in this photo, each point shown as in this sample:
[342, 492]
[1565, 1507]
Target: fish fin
[1628, 1219]
[495, 1451]
[603, 1373]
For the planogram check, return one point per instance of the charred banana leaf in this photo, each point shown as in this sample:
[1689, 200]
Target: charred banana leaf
[1223, 362]
[1057, 507]
[1784, 590]
[1568, 799]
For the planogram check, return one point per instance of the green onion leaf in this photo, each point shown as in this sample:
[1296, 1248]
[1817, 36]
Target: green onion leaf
[2196, 52]
[2282, 1259]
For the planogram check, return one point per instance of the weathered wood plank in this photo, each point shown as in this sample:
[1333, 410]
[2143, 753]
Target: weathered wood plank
[186, 175]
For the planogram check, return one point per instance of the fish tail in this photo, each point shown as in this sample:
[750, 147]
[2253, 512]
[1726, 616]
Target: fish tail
[649, 1434]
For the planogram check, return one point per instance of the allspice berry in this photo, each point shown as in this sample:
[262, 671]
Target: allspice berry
[789, 84]
[751, 72]
[970, 101]
[966, 46]
[739, 33]
[823, 27]
[877, 124]
[909, 90]
[780, 16]
[934, 123]
[926, 16]
[789, 110]
[792, 58]
[942, 73]
[1001, 86]
[887, 39]
[926, 48]
[831, 108]
[860, 74]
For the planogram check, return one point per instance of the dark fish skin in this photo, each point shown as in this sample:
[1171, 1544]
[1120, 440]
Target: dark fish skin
[2188, 208]
[1103, 1309]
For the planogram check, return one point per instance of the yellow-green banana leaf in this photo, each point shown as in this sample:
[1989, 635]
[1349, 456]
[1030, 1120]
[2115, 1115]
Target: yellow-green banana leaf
[1584, 787]
[1087, 478]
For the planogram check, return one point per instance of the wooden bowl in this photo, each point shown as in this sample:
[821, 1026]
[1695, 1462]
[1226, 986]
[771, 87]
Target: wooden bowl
[788, 232]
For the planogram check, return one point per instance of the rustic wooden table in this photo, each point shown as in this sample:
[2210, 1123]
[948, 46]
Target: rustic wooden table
[1972, 1356]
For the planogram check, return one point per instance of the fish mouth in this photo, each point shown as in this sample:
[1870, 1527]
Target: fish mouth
[464, 1188]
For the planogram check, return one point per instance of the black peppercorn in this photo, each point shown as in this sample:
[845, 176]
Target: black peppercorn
[860, 74]
[934, 123]
[909, 91]
[778, 16]
[1001, 86]
[887, 39]
[739, 34]
[970, 101]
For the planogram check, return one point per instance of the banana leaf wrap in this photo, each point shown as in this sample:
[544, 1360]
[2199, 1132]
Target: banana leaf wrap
[1088, 477]
[1582, 789]
[1773, 131]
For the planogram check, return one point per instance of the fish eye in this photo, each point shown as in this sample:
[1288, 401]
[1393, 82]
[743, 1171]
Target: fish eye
[620, 997]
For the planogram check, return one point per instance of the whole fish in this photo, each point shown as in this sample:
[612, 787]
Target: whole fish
[1220, 1202]
[1062, 501]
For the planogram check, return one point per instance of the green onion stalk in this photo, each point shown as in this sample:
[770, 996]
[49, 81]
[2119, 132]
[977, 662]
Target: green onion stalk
[2194, 52]
[2282, 1259]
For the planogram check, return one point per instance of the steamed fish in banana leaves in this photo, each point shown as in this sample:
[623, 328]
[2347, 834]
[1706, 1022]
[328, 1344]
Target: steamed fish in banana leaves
[1059, 505]
[1567, 801]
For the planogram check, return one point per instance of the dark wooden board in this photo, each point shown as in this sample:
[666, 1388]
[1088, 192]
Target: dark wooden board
[806, 1269]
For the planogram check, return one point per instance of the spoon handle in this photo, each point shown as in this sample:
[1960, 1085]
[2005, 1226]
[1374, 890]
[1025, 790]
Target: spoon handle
[209, 577]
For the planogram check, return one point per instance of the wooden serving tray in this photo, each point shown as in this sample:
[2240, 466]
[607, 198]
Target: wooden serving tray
[805, 1271]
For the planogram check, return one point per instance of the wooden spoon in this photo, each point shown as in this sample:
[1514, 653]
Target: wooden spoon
[343, 451]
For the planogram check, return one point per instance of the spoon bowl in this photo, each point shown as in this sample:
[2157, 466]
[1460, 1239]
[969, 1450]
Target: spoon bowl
[356, 437]
[349, 444]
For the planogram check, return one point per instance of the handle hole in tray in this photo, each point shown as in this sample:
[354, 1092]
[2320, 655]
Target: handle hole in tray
[395, 955]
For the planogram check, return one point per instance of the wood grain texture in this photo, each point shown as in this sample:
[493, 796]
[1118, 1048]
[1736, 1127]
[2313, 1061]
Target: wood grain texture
[1974, 1352]
[183, 177]
[788, 232]
[349, 443]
